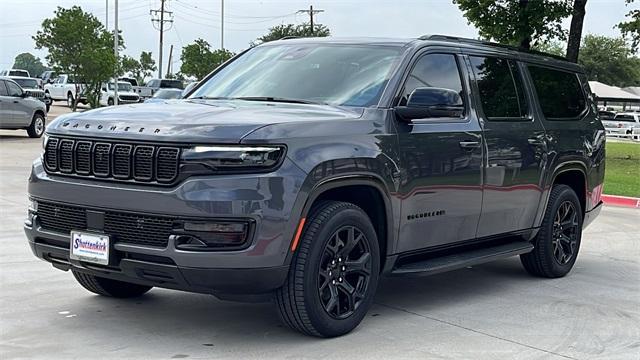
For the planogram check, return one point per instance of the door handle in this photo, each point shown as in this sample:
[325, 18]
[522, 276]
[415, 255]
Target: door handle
[469, 145]
[15, 101]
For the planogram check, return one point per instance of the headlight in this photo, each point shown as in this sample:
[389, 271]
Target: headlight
[233, 158]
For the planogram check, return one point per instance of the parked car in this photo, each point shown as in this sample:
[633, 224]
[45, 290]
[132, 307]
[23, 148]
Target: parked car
[126, 95]
[606, 115]
[165, 94]
[18, 110]
[32, 88]
[15, 72]
[142, 91]
[48, 77]
[303, 170]
[156, 84]
[65, 88]
[622, 123]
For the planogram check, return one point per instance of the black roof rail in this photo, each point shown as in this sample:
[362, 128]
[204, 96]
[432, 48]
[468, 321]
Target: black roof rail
[437, 37]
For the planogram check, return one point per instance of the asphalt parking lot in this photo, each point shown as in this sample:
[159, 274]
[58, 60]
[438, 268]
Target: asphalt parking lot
[486, 312]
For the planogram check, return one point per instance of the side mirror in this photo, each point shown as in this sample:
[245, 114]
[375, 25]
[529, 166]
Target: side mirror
[104, 89]
[429, 102]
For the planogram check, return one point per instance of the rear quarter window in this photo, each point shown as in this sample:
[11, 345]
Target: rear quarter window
[559, 93]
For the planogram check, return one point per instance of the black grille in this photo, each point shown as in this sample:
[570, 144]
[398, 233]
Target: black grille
[137, 229]
[122, 227]
[117, 161]
[61, 218]
[83, 157]
[51, 155]
[128, 97]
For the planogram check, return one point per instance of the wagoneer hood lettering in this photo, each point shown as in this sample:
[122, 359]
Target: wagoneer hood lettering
[192, 120]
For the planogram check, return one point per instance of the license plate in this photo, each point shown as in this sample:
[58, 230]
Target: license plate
[90, 247]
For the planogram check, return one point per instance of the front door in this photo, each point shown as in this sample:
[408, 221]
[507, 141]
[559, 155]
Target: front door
[21, 113]
[6, 107]
[515, 143]
[441, 162]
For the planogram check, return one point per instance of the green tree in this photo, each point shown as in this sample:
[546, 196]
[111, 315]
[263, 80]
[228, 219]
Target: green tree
[552, 47]
[303, 30]
[79, 45]
[198, 60]
[147, 66]
[631, 28]
[32, 64]
[521, 23]
[610, 61]
[128, 65]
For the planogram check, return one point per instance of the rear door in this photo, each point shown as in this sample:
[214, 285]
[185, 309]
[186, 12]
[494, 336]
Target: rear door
[6, 107]
[515, 144]
[441, 160]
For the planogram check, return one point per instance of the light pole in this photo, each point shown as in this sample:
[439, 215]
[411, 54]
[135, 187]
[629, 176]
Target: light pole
[115, 52]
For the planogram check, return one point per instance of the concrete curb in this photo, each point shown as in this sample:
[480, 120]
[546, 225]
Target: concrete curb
[625, 201]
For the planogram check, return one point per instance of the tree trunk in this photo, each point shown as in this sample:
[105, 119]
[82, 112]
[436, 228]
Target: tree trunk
[575, 31]
[525, 29]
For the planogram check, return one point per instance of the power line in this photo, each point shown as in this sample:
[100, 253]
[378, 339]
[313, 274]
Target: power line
[311, 12]
[161, 28]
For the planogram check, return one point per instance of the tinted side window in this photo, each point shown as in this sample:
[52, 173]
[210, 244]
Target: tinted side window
[433, 70]
[559, 93]
[500, 86]
[13, 89]
[3, 89]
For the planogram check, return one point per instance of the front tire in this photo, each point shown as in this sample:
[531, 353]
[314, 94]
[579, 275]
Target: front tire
[36, 129]
[110, 102]
[558, 240]
[70, 100]
[334, 273]
[108, 287]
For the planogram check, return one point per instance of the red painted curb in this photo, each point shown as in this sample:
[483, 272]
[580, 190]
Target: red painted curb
[625, 201]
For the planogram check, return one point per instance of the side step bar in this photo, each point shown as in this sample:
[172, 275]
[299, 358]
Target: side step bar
[463, 259]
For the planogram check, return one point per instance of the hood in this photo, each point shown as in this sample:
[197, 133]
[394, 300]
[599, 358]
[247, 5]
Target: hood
[192, 121]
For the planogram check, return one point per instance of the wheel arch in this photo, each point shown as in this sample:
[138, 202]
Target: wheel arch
[572, 174]
[367, 192]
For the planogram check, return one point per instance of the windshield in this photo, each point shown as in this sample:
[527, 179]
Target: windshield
[625, 118]
[122, 87]
[27, 83]
[168, 94]
[348, 75]
[18, 73]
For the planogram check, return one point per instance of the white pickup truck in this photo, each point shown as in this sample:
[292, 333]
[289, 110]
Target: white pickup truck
[63, 88]
[126, 94]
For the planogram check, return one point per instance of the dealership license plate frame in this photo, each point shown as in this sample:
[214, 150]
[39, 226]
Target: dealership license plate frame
[87, 255]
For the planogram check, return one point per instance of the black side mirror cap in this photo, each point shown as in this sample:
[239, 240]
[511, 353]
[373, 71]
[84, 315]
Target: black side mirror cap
[429, 102]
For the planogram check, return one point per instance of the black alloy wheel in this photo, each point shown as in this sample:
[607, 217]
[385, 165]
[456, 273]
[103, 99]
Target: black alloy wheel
[345, 272]
[565, 233]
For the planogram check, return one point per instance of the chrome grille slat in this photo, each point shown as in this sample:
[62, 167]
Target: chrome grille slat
[112, 160]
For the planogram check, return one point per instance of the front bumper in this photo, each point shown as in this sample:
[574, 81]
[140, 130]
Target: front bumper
[267, 199]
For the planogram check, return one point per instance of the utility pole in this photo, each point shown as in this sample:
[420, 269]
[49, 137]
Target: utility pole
[311, 12]
[161, 28]
[170, 60]
[106, 16]
[115, 52]
[222, 24]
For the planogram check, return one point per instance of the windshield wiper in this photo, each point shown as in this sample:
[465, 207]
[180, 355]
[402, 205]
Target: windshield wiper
[278, 99]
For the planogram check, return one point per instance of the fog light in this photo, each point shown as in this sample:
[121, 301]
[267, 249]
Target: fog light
[208, 235]
[33, 206]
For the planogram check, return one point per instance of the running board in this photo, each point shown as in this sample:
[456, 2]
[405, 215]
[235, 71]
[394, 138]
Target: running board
[463, 259]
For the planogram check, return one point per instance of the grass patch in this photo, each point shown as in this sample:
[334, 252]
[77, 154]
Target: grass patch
[622, 175]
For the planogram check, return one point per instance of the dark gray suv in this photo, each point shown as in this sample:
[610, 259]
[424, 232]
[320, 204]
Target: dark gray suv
[302, 170]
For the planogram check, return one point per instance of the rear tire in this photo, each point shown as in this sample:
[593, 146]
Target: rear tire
[36, 129]
[334, 273]
[558, 240]
[109, 287]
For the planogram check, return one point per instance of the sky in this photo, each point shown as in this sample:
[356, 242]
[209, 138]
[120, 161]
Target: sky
[245, 20]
